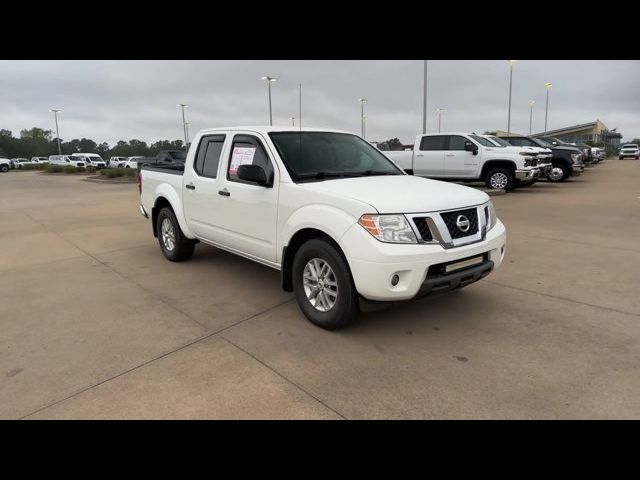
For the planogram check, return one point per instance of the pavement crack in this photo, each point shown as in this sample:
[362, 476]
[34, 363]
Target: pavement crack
[557, 297]
[286, 379]
[159, 357]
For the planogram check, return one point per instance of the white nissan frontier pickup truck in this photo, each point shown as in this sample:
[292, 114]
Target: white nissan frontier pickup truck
[346, 227]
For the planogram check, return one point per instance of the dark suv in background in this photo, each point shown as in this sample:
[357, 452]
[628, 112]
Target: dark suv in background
[583, 147]
[567, 160]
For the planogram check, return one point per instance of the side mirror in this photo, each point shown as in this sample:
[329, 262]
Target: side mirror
[253, 173]
[471, 147]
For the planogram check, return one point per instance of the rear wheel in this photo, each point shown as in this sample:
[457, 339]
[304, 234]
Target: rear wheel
[323, 286]
[500, 179]
[174, 245]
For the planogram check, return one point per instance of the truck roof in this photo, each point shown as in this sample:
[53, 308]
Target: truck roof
[275, 128]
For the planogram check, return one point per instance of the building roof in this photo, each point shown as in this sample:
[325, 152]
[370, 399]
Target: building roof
[573, 128]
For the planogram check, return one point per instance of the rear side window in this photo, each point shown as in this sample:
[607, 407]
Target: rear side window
[208, 155]
[248, 150]
[432, 142]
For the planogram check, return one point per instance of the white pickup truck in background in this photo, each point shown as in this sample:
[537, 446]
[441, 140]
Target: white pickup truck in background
[344, 225]
[464, 156]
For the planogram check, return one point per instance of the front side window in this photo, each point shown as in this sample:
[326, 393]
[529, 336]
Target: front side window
[456, 142]
[319, 155]
[248, 150]
[483, 141]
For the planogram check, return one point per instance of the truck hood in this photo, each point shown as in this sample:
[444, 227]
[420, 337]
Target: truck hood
[401, 193]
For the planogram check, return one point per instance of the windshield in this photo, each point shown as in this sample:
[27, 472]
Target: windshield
[630, 145]
[541, 143]
[483, 141]
[327, 154]
[501, 142]
[74, 158]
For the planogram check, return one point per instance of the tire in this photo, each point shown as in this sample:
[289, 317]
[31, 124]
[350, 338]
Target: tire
[4, 167]
[324, 314]
[620, 158]
[559, 173]
[174, 245]
[500, 179]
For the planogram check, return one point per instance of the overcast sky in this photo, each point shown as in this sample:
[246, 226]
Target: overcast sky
[114, 100]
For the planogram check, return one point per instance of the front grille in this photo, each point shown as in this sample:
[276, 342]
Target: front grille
[531, 162]
[451, 218]
[423, 228]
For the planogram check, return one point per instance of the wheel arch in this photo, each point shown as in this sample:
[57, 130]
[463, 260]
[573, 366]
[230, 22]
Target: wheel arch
[498, 163]
[297, 240]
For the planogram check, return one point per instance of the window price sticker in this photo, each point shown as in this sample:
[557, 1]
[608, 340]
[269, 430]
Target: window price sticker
[241, 156]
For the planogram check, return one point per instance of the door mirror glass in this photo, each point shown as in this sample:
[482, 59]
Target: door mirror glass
[470, 147]
[253, 173]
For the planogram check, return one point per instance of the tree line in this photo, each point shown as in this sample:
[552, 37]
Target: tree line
[37, 142]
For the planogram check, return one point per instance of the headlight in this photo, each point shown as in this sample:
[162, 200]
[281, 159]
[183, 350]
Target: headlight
[388, 228]
[526, 154]
[575, 157]
[493, 217]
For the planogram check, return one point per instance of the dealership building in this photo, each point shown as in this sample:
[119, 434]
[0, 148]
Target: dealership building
[586, 132]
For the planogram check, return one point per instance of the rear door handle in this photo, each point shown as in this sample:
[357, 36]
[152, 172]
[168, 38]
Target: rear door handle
[190, 186]
[224, 193]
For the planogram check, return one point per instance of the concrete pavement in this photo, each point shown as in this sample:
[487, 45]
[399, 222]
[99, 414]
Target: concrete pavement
[97, 324]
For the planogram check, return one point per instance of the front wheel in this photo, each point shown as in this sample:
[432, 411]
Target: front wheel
[4, 167]
[323, 286]
[559, 172]
[174, 245]
[500, 179]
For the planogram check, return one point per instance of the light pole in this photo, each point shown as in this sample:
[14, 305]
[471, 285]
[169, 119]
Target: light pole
[511, 64]
[424, 100]
[55, 114]
[293, 121]
[546, 110]
[362, 101]
[439, 111]
[184, 124]
[269, 80]
[531, 104]
[300, 108]
[364, 126]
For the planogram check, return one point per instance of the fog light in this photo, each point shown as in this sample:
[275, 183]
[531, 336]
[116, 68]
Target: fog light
[394, 280]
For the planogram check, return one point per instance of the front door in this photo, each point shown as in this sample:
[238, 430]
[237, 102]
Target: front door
[458, 162]
[248, 211]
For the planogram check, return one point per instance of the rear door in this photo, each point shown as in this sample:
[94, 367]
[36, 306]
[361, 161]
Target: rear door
[429, 156]
[201, 183]
[458, 162]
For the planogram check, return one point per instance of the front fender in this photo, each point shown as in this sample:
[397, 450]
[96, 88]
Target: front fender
[328, 219]
[167, 191]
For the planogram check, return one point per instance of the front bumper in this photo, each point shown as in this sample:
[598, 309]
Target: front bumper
[528, 174]
[576, 170]
[373, 264]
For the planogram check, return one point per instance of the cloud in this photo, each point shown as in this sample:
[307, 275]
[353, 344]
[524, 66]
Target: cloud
[114, 100]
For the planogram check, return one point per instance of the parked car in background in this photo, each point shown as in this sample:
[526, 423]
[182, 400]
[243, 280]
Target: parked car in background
[132, 162]
[464, 156]
[545, 154]
[40, 159]
[629, 150]
[92, 160]
[5, 164]
[342, 223]
[582, 147]
[69, 160]
[567, 160]
[116, 162]
[21, 162]
[164, 157]
[598, 153]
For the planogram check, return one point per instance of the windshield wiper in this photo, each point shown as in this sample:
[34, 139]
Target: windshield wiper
[377, 172]
[321, 175]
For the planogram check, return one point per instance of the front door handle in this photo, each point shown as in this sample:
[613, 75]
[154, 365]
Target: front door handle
[450, 155]
[190, 186]
[224, 193]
